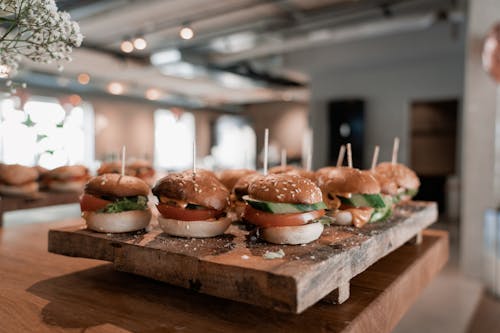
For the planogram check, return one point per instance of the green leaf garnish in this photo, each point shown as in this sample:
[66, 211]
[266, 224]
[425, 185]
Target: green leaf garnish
[126, 204]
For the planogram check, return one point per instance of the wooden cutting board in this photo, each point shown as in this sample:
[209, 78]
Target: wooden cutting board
[234, 265]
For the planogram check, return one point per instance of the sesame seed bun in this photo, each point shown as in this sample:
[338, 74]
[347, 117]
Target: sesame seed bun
[16, 174]
[68, 172]
[285, 189]
[110, 167]
[201, 189]
[346, 180]
[395, 176]
[292, 170]
[230, 177]
[240, 189]
[19, 190]
[195, 229]
[115, 185]
[292, 235]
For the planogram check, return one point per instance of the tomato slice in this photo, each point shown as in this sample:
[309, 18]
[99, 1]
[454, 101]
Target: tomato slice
[90, 203]
[178, 213]
[264, 219]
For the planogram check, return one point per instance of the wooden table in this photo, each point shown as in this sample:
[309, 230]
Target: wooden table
[43, 292]
[37, 200]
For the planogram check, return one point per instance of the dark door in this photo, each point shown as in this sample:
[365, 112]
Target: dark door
[346, 121]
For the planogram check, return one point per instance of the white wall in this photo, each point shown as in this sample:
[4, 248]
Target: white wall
[388, 73]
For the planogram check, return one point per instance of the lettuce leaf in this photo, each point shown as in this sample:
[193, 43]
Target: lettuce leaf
[125, 204]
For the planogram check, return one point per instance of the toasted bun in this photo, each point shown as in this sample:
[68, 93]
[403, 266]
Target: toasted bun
[139, 163]
[67, 186]
[395, 176]
[285, 188]
[15, 174]
[110, 167]
[346, 180]
[195, 229]
[230, 177]
[292, 170]
[292, 235]
[129, 221]
[113, 184]
[202, 189]
[240, 189]
[68, 172]
[19, 190]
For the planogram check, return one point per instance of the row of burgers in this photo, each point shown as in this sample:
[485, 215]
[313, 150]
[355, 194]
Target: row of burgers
[288, 205]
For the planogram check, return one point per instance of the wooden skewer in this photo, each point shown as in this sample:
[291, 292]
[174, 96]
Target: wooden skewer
[375, 157]
[340, 158]
[395, 150]
[266, 149]
[283, 158]
[123, 160]
[349, 156]
[194, 155]
[310, 149]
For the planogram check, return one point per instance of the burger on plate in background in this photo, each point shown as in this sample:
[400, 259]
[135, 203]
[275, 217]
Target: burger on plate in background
[286, 208]
[68, 178]
[229, 177]
[18, 180]
[113, 203]
[192, 204]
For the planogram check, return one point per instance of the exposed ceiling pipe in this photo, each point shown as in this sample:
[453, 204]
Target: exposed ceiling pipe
[334, 35]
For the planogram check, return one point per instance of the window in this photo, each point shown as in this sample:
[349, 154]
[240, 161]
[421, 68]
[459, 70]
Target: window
[236, 143]
[45, 133]
[174, 134]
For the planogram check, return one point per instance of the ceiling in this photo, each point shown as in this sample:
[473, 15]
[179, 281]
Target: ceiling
[236, 54]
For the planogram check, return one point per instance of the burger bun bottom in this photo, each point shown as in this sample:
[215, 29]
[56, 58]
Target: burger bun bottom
[128, 221]
[295, 235]
[194, 229]
[19, 190]
[71, 186]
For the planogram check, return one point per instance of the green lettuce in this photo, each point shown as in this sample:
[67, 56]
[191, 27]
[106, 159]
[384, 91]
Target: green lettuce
[125, 204]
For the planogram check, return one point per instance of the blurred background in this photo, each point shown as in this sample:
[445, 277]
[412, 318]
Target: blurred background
[152, 75]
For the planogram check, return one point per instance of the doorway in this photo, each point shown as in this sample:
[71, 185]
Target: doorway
[434, 153]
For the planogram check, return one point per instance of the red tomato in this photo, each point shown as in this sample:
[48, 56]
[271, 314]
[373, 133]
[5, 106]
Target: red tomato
[91, 203]
[178, 213]
[264, 219]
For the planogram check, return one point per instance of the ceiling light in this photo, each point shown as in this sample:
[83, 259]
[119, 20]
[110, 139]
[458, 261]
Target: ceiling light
[140, 43]
[83, 78]
[127, 46]
[75, 99]
[186, 32]
[164, 57]
[152, 94]
[116, 88]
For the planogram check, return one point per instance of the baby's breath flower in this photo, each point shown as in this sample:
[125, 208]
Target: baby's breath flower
[37, 31]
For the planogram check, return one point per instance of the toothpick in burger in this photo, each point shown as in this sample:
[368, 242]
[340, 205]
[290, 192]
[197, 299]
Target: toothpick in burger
[112, 203]
[286, 209]
[192, 204]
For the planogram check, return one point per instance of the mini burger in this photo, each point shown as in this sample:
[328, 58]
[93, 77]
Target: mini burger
[352, 196]
[285, 208]
[113, 203]
[18, 180]
[240, 190]
[229, 177]
[69, 178]
[397, 180]
[192, 204]
[292, 170]
[141, 169]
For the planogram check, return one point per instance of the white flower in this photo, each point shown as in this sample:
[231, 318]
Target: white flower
[39, 32]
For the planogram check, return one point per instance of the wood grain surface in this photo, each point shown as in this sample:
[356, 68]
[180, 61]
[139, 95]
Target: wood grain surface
[232, 266]
[42, 292]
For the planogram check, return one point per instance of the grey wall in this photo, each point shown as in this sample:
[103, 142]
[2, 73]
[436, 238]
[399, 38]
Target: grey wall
[388, 73]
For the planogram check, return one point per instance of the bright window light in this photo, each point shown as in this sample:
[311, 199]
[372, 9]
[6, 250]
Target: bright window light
[164, 57]
[236, 143]
[45, 134]
[174, 133]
